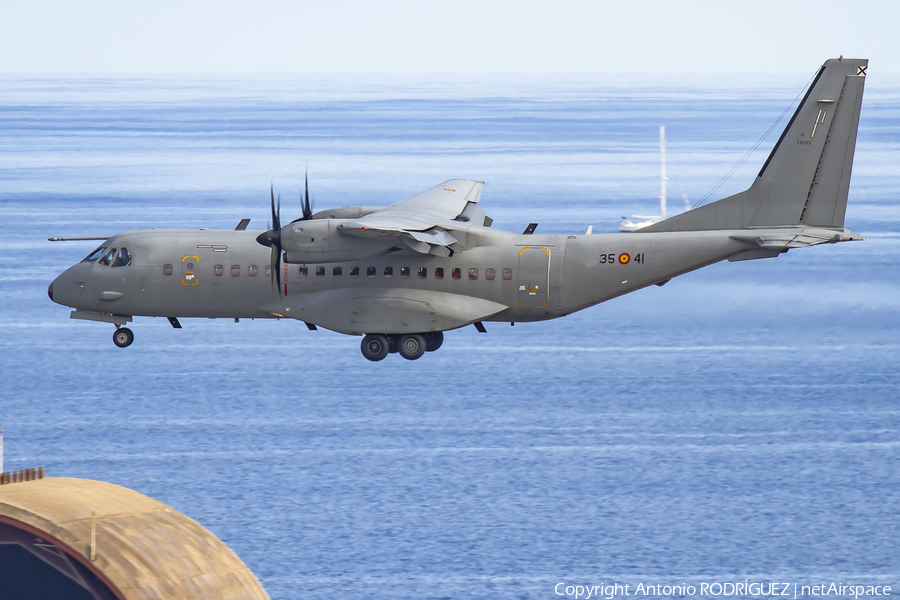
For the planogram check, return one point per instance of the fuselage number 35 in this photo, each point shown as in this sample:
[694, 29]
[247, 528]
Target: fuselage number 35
[623, 259]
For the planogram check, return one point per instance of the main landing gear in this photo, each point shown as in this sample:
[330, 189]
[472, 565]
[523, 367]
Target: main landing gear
[376, 346]
[122, 337]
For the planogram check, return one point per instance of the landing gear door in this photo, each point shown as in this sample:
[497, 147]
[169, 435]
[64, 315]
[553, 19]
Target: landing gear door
[534, 277]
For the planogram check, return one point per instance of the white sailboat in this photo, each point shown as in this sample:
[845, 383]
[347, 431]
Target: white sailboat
[637, 221]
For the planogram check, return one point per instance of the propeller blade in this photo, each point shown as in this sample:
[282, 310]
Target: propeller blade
[272, 257]
[272, 238]
[274, 217]
[307, 209]
[276, 267]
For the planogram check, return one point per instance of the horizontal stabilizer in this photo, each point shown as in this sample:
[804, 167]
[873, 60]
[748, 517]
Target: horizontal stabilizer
[796, 237]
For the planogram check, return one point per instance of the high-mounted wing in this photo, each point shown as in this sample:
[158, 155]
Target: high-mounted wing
[432, 222]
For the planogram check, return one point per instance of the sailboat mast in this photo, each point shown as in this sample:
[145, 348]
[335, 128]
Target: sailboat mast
[662, 171]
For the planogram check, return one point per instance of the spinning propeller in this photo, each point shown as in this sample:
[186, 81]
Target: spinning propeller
[272, 237]
[307, 210]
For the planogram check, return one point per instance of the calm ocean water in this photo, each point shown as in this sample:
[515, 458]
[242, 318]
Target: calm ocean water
[741, 422]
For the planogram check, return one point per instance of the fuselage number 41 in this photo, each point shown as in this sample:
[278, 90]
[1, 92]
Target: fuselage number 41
[622, 259]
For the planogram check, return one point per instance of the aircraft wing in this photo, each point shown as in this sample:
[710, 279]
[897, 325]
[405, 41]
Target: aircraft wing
[431, 222]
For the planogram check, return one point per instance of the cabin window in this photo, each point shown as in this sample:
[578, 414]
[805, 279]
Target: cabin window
[235, 270]
[507, 274]
[473, 274]
[423, 272]
[489, 274]
[219, 270]
[439, 272]
[304, 271]
[354, 271]
[123, 259]
[268, 270]
[389, 271]
[109, 256]
[404, 272]
[320, 271]
[252, 270]
[337, 271]
[370, 272]
[95, 254]
[167, 269]
[457, 273]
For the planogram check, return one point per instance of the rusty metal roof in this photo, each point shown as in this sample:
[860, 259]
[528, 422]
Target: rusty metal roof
[142, 548]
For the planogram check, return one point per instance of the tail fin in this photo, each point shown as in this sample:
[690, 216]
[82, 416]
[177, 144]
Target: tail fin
[807, 176]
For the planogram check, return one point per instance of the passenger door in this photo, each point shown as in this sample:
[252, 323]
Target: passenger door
[534, 277]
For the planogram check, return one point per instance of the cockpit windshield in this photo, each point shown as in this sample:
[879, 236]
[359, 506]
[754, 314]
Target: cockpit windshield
[108, 257]
[123, 259]
[93, 256]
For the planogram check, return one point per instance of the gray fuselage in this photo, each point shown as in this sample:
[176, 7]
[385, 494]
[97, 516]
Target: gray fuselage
[223, 274]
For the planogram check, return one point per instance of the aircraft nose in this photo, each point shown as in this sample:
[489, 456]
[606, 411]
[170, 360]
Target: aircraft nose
[64, 289]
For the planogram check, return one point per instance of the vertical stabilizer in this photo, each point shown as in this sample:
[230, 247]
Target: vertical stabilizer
[806, 178]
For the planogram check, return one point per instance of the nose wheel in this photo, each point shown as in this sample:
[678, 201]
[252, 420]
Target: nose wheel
[122, 337]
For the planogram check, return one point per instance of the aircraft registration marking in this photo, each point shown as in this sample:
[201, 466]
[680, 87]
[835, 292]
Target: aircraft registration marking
[623, 259]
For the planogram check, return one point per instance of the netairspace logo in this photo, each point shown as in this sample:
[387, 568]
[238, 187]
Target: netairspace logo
[740, 588]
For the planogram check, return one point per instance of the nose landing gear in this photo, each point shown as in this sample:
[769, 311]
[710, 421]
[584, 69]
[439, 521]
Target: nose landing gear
[123, 337]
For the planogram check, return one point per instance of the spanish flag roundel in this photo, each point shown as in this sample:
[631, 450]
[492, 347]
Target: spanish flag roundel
[624, 258]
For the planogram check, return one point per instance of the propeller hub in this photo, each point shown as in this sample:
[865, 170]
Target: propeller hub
[270, 238]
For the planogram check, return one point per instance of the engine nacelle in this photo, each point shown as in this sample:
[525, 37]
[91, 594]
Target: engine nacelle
[320, 241]
[346, 212]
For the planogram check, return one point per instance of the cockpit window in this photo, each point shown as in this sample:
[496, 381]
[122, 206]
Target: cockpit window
[123, 259]
[108, 257]
[95, 254]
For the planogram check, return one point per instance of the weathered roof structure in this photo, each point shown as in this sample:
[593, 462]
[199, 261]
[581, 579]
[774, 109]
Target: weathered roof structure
[105, 541]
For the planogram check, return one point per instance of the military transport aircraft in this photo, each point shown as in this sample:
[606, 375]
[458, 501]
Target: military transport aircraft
[403, 274]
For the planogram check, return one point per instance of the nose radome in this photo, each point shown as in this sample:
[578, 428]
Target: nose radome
[50, 291]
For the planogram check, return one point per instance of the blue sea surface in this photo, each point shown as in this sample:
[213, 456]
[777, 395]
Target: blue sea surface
[740, 423]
